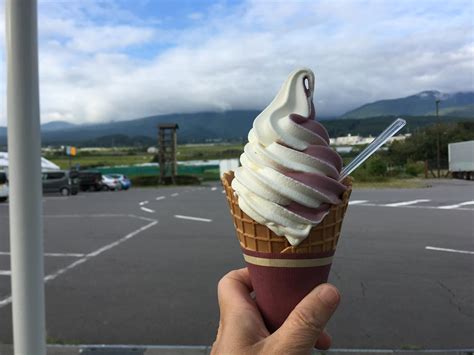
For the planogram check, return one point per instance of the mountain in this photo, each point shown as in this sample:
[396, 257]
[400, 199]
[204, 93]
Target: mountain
[456, 111]
[193, 127]
[231, 126]
[375, 125]
[234, 125]
[46, 127]
[420, 104]
[56, 126]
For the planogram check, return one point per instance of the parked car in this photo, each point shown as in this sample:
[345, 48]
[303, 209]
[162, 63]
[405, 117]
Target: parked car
[124, 181]
[3, 187]
[90, 180]
[62, 181]
[110, 183]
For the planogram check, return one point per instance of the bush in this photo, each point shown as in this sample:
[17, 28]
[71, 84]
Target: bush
[153, 180]
[377, 167]
[415, 168]
[211, 175]
[395, 171]
[187, 180]
[144, 180]
[362, 175]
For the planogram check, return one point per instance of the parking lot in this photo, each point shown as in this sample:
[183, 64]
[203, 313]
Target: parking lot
[141, 267]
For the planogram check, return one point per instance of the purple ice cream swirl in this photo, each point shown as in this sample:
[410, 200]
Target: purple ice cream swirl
[289, 174]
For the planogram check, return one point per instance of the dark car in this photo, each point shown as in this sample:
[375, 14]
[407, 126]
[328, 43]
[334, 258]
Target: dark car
[3, 187]
[64, 182]
[90, 180]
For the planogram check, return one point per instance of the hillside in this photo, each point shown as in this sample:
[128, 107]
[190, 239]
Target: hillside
[373, 126]
[231, 126]
[457, 111]
[369, 119]
[57, 125]
[194, 127]
[420, 104]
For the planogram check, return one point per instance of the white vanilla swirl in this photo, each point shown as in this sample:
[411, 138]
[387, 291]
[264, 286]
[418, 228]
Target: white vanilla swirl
[289, 174]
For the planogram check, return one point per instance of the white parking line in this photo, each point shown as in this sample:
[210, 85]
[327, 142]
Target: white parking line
[143, 203]
[8, 300]
[141, 218]
[147, 210]
[419, 207]
[160, 198]
[357, 202]
[451, 250]
[456, 206]
[175, 194]
[214, 188]
[5, 273]
[406, 203]
[193, 218]
[99, 215]
[223, 191]
[65, 255]
[61, 255]
[5, 301]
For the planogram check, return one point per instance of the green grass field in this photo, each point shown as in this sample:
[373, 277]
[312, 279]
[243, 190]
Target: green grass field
[200, 152]
[392, 183]
[101, 160]
[114, 158]
[209, 151]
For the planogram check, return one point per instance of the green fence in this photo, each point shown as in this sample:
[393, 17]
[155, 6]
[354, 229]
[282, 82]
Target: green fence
[131, 171]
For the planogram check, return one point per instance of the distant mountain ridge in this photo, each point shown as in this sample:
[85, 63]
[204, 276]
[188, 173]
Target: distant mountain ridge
[456, 111]
[420, 104]
[193, 127]
[234, 125]
[57, 125]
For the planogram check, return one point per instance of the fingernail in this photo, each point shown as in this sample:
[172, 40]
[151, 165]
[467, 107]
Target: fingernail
[329, 295]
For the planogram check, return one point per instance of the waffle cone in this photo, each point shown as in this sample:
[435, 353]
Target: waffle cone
[259, 238]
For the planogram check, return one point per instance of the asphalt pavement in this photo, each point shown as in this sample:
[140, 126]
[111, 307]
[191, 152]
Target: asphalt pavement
[141, 267]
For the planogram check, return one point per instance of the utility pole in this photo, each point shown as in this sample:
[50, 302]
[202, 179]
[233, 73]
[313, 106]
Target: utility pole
[24, 150]
[438, 138]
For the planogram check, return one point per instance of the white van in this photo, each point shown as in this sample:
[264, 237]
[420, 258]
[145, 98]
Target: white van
[3, 187]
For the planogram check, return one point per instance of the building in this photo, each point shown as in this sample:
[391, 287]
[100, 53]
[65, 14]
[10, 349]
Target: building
[351, 140]
[152, 150]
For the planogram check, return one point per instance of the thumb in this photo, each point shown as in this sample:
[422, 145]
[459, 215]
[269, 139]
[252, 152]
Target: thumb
[306, 322]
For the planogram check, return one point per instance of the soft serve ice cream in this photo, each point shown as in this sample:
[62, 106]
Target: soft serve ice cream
[289, 175]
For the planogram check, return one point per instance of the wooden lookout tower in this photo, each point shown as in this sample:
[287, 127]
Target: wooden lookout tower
[167, 142]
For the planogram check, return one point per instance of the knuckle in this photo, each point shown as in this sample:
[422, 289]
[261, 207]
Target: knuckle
[304, 318]
[224, 279]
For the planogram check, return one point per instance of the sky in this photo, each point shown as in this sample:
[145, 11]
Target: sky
[117, 60]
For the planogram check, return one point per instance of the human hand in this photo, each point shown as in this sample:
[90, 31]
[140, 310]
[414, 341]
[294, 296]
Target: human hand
[242, 330]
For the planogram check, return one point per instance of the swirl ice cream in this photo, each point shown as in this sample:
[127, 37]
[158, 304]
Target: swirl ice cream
[286, 201]
[289, 175]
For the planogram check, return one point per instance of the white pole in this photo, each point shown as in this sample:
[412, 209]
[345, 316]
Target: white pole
[24, 150]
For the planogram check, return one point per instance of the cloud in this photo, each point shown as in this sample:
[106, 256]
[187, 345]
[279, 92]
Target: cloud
[196, 16]
[103, 62]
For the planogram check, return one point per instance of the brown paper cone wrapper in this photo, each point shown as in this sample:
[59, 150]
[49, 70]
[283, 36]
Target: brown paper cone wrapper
[281, 274]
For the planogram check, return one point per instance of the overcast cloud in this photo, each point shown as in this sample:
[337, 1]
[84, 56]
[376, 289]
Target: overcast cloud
[117, 60]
